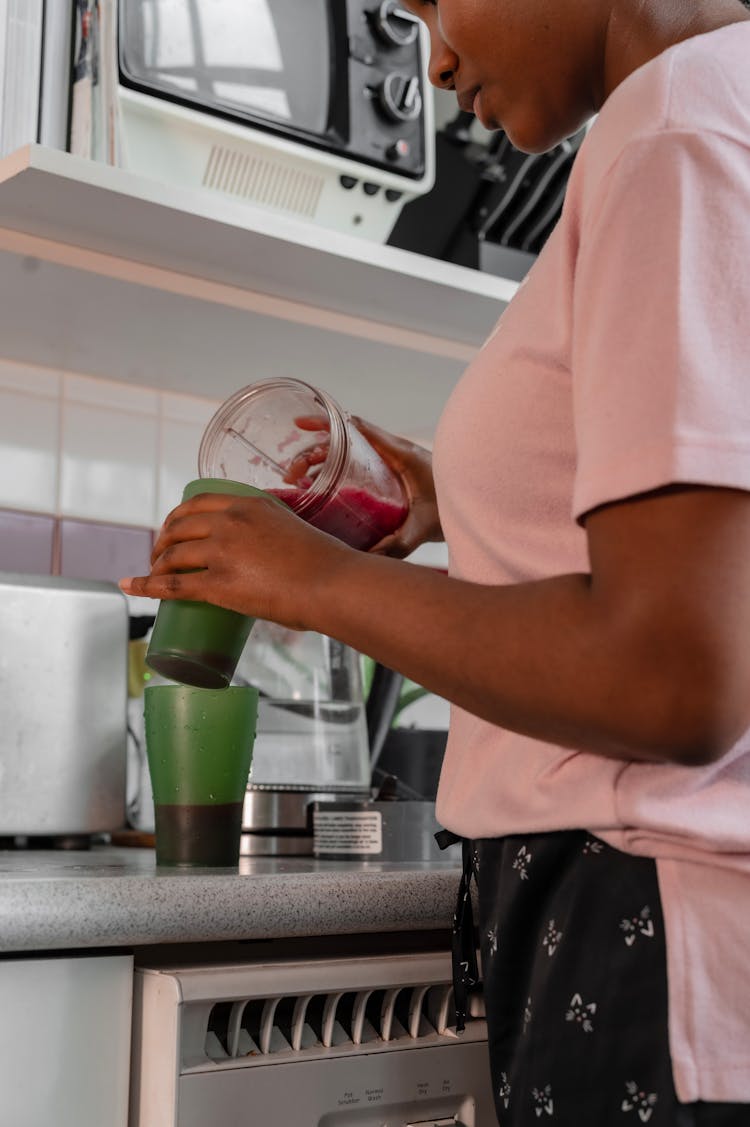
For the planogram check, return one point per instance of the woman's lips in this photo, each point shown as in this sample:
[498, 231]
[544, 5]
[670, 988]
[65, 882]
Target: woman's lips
[476, 108]
[466, 100]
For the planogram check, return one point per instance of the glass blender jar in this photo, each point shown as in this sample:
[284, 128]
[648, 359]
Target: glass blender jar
[294, 441]
[311, 743]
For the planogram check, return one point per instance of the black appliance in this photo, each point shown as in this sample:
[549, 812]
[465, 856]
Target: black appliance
[492, 207]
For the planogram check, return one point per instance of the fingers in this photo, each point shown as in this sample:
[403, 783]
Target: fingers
[178, 528]
[371, 432]
[396, 546]
[416, 529]
[312, 422]
[296, 473]
[196, 519]
[189, 555]
[172, 586]
[394, 450]
[174, 572]
[392, 547]
[201, 503]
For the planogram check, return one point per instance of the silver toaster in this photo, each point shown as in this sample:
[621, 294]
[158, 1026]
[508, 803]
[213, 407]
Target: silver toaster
[63, 706]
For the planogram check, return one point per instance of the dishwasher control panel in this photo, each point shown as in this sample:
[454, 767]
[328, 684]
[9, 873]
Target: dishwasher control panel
[436, 1123]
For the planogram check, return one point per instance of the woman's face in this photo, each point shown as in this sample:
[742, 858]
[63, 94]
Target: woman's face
[530, 67]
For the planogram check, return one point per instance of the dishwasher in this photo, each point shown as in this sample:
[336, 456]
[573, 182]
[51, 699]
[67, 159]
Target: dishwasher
[307, 1041]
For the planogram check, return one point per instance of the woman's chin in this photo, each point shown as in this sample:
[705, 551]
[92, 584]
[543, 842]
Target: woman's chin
[533, 135]
[530, 132]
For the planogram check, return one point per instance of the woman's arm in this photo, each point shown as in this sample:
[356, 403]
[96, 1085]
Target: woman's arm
[647, 657]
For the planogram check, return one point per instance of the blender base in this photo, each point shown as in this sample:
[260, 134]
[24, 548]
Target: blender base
[277, 821]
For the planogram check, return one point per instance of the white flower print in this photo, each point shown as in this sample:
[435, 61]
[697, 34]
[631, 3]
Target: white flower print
[522, 862]
[504, 1090]
[492, 941]
[543, 1103]
[636, 1100]
[475, 861]
[581, 1012]
[526, 1016]
[592, 846]
[638, 925]
[552, 939]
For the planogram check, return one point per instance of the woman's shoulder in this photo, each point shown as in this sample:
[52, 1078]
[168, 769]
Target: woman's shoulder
[709, 87]
[700, 83]
[700, 86]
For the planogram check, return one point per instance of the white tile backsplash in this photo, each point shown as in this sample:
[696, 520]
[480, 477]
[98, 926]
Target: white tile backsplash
[28, 379]
[108, 461]
[96, 449]
[183, 421]
[189, 408]
[178, 463]
[110, 395]
[29, 438]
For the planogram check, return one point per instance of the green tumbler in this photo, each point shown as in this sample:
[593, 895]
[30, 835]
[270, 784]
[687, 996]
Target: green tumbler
[198, 643]
[199, 744]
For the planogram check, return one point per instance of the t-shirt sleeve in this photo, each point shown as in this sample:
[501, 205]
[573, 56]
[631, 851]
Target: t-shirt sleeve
[661, 334]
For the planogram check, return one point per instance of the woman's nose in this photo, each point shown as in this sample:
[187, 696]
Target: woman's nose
[442, 65]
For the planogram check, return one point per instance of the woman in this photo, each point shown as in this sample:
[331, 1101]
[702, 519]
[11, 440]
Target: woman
[592, 470]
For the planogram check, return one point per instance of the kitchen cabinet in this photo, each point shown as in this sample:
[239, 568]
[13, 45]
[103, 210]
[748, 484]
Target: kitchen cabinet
[65, 1040]
[107, 273]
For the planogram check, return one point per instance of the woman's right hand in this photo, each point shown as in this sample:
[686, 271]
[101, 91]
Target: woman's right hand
[412, 465]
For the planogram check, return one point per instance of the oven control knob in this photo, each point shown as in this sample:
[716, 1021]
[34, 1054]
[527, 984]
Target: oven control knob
[400, 97]
[394, 25]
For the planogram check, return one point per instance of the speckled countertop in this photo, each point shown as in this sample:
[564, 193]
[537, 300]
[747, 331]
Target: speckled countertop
[112, 897]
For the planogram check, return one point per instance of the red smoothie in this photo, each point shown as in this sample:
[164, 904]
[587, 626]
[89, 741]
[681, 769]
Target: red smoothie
[352, 515]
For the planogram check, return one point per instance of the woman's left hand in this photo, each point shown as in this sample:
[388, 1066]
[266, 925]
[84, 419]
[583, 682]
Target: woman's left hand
[249, 554]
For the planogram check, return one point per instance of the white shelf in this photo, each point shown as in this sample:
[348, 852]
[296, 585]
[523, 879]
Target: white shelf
[108, 273]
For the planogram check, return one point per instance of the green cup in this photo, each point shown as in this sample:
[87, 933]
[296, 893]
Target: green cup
[199, 744]
[198, 643]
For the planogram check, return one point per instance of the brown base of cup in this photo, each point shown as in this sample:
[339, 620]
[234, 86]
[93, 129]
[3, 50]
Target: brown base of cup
[206, 836]
[202, 670]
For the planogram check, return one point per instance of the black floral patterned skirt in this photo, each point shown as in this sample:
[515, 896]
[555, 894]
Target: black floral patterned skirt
[574, 977]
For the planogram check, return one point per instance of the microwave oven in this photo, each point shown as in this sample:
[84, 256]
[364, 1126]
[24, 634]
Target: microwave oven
[319, 110]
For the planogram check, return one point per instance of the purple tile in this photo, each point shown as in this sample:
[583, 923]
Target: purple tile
[26, 543]
[103, 551]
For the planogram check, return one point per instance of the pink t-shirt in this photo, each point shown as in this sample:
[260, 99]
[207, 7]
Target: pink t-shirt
[623, 364]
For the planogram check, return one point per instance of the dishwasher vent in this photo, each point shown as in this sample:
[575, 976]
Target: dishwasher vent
[337, 1020]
